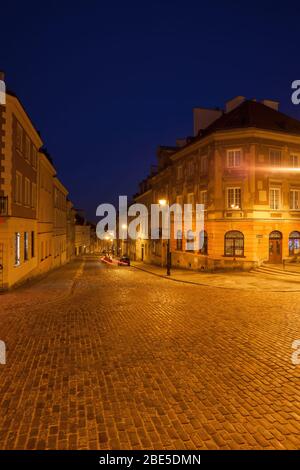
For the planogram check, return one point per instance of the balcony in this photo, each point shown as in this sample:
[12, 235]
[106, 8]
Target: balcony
[3, 205]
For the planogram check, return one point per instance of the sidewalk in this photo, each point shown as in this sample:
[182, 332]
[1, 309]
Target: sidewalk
[231, 280]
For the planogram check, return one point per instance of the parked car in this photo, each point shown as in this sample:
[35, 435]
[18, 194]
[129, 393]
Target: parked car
[124, 261]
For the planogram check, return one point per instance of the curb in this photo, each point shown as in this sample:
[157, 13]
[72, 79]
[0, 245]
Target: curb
[168, 278]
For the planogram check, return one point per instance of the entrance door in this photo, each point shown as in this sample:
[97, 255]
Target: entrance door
[275, 247]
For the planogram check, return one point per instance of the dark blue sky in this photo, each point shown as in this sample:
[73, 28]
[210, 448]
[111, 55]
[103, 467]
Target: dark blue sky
[107, 82]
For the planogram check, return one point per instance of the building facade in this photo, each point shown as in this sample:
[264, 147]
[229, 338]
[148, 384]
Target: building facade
[46, 175]
[82, 239]
[37, 222]
[18, 192]
[60, 223]
[243, 165]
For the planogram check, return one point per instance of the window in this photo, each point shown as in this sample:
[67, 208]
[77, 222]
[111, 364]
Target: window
[190, 168]
[18, 188]
[190, 241]
[32, 245]
[234, 158]
[203, 199]
[19, 139]
[179, 240]
[17, 248]
[179, 172]
[295, 199]
[203, 165]
[33, 195]
[26, 246]
[27, 192]
[33, 156]
[275, 157]
[203, 242]
[275, 197]
[294, 243]
[294, 161]
[234, 198]
[27, 148]
[55, 197]
[234, 244]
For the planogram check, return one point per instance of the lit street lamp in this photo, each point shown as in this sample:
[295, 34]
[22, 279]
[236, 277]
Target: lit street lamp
[123, 240]
[163, 202]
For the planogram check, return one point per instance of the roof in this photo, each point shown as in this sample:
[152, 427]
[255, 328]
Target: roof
[254, 114]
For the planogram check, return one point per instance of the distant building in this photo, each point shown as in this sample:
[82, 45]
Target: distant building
[71, 220]
[82, 236]
[243, 164]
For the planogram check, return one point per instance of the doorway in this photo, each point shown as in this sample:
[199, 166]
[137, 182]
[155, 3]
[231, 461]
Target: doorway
[275, 247]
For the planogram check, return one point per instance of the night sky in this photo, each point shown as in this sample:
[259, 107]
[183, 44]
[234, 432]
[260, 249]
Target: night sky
[107, 82]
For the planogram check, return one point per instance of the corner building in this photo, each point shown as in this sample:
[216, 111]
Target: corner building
[243, 164]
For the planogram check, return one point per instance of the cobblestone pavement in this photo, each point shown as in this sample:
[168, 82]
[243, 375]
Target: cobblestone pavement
[114, 358]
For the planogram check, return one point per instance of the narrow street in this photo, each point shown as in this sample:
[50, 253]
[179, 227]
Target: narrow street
[102, 357]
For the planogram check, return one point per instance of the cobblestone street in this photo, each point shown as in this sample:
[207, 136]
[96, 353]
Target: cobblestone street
[102, 357]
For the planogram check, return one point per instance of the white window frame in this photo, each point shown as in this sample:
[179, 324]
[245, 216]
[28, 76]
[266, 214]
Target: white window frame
[293, 157]
[272, 201]
[232, 160]
[295, 199]
[26, 246]
[274, 163]
[235, 202]
[17, 247]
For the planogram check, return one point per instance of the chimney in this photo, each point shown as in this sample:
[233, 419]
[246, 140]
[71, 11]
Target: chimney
[203, 117]
[2, 75]
[271, 104]
[234, 103]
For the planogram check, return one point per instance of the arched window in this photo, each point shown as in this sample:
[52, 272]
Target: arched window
[234, 243]
[203, 242]
[190, 241]
[294, 243]
[179, 240]
[275, 235]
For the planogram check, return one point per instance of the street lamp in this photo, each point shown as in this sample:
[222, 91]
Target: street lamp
[123, 238]
[163, 202]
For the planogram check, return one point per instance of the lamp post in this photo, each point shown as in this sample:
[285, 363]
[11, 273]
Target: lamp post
[124, 229]
[163, 202]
